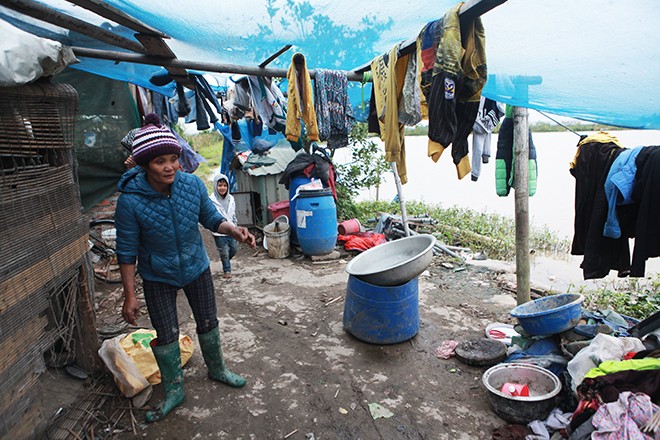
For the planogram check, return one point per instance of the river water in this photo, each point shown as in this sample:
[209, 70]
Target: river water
[552, 206]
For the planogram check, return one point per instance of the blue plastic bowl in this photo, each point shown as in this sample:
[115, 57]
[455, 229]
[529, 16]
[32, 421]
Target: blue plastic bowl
[549, 315]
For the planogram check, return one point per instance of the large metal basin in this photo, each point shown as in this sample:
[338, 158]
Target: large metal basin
[395, 262]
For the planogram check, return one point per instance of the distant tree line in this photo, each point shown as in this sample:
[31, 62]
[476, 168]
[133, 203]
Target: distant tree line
[536, 127]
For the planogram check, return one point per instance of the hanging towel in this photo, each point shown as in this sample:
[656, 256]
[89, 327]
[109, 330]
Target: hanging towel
[386, 70]
[333, 109]
[410, 112]
[301, 101]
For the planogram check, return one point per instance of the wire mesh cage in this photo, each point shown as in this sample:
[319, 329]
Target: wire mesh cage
[43, 240]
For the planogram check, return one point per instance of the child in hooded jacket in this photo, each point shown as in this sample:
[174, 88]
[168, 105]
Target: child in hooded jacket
[224, 203]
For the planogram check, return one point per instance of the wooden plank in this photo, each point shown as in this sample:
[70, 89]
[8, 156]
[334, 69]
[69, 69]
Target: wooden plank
[274, 56]
[87, 342]
[157, 47]
[49, 15]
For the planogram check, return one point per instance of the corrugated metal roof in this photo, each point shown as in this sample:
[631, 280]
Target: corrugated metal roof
[282, 153]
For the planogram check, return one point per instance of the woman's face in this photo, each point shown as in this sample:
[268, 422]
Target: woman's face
[222, 187]
[162, 169]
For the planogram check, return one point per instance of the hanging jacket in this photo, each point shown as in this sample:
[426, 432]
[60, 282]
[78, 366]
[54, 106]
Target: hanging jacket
[459, 75]
[488, 117]
[504, 166]
[226, 205]
[269, 101]
[619, 188]
[301, 101]
[427, 48]
[161, 232]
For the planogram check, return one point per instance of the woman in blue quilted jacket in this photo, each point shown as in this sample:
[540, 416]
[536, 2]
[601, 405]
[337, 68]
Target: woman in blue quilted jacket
[157, 219]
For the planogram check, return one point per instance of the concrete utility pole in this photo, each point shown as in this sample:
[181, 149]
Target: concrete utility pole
[521, 186]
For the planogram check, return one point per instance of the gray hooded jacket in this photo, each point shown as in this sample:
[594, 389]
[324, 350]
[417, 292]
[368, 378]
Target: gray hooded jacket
[225, 205]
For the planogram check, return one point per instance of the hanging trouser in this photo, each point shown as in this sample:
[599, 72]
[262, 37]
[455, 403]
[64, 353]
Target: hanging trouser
[168, 358]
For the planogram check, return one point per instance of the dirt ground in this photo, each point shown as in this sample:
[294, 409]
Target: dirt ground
[307, 377]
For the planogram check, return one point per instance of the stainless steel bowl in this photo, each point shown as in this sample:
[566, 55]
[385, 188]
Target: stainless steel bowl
[395, 262]
[543, 390]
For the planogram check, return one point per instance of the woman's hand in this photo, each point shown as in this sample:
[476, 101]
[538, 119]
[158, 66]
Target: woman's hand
[243, 235]
[131, 310]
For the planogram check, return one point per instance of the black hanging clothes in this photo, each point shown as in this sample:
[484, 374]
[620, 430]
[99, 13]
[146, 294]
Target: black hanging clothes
[592, 163]
[646, 194]
[590, 166]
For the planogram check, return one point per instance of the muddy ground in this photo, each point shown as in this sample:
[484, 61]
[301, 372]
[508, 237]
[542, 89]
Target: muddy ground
[307, 377]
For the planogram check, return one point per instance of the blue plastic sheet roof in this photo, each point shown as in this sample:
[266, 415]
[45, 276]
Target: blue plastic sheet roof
[589, 59]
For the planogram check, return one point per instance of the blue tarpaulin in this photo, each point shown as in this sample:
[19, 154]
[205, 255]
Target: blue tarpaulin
[588, 59]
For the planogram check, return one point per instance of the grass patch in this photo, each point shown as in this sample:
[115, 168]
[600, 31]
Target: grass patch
[635, 297]
[490, 233]
[209, 145]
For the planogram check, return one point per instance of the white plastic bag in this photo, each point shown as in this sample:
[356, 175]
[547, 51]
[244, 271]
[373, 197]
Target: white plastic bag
[128, 378]
[602, 348]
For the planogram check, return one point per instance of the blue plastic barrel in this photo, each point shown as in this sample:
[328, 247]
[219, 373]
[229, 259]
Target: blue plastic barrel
[294, 183]
[316, 221]
[381, 314]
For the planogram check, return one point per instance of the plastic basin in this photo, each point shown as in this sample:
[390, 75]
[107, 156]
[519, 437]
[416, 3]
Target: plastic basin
[395, 262]
[549, 315]
[543, 389]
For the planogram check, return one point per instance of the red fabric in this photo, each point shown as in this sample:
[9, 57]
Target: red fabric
[361, 241]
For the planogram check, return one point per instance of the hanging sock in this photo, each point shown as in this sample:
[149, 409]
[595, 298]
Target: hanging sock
[212, 352]
[168, 358]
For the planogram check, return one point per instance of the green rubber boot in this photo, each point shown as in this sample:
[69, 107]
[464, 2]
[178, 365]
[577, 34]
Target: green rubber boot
[212, 352]
[168, 358]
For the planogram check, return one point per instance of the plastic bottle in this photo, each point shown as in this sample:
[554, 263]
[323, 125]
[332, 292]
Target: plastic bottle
[515, 389]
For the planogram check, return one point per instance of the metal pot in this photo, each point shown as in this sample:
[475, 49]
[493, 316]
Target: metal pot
[543, 389]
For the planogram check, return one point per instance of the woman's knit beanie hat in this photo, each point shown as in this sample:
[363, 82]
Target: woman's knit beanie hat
[153, 140]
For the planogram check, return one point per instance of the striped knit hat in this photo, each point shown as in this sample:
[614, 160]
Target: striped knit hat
[153, 140]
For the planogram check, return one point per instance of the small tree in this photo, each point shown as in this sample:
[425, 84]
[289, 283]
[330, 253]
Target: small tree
[365, 170]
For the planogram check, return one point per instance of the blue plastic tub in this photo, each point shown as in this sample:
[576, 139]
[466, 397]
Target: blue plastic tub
[316, 221]
[381, 314]
[549, 315]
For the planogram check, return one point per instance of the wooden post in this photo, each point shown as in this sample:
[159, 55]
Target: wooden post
[402, 201]
[87, 342]
[521, 186]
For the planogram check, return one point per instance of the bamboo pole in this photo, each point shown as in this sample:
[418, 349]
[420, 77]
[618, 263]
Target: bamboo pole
[521, 185]
[402, 201]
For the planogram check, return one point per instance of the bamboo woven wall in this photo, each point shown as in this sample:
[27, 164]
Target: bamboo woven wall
[43, 238]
